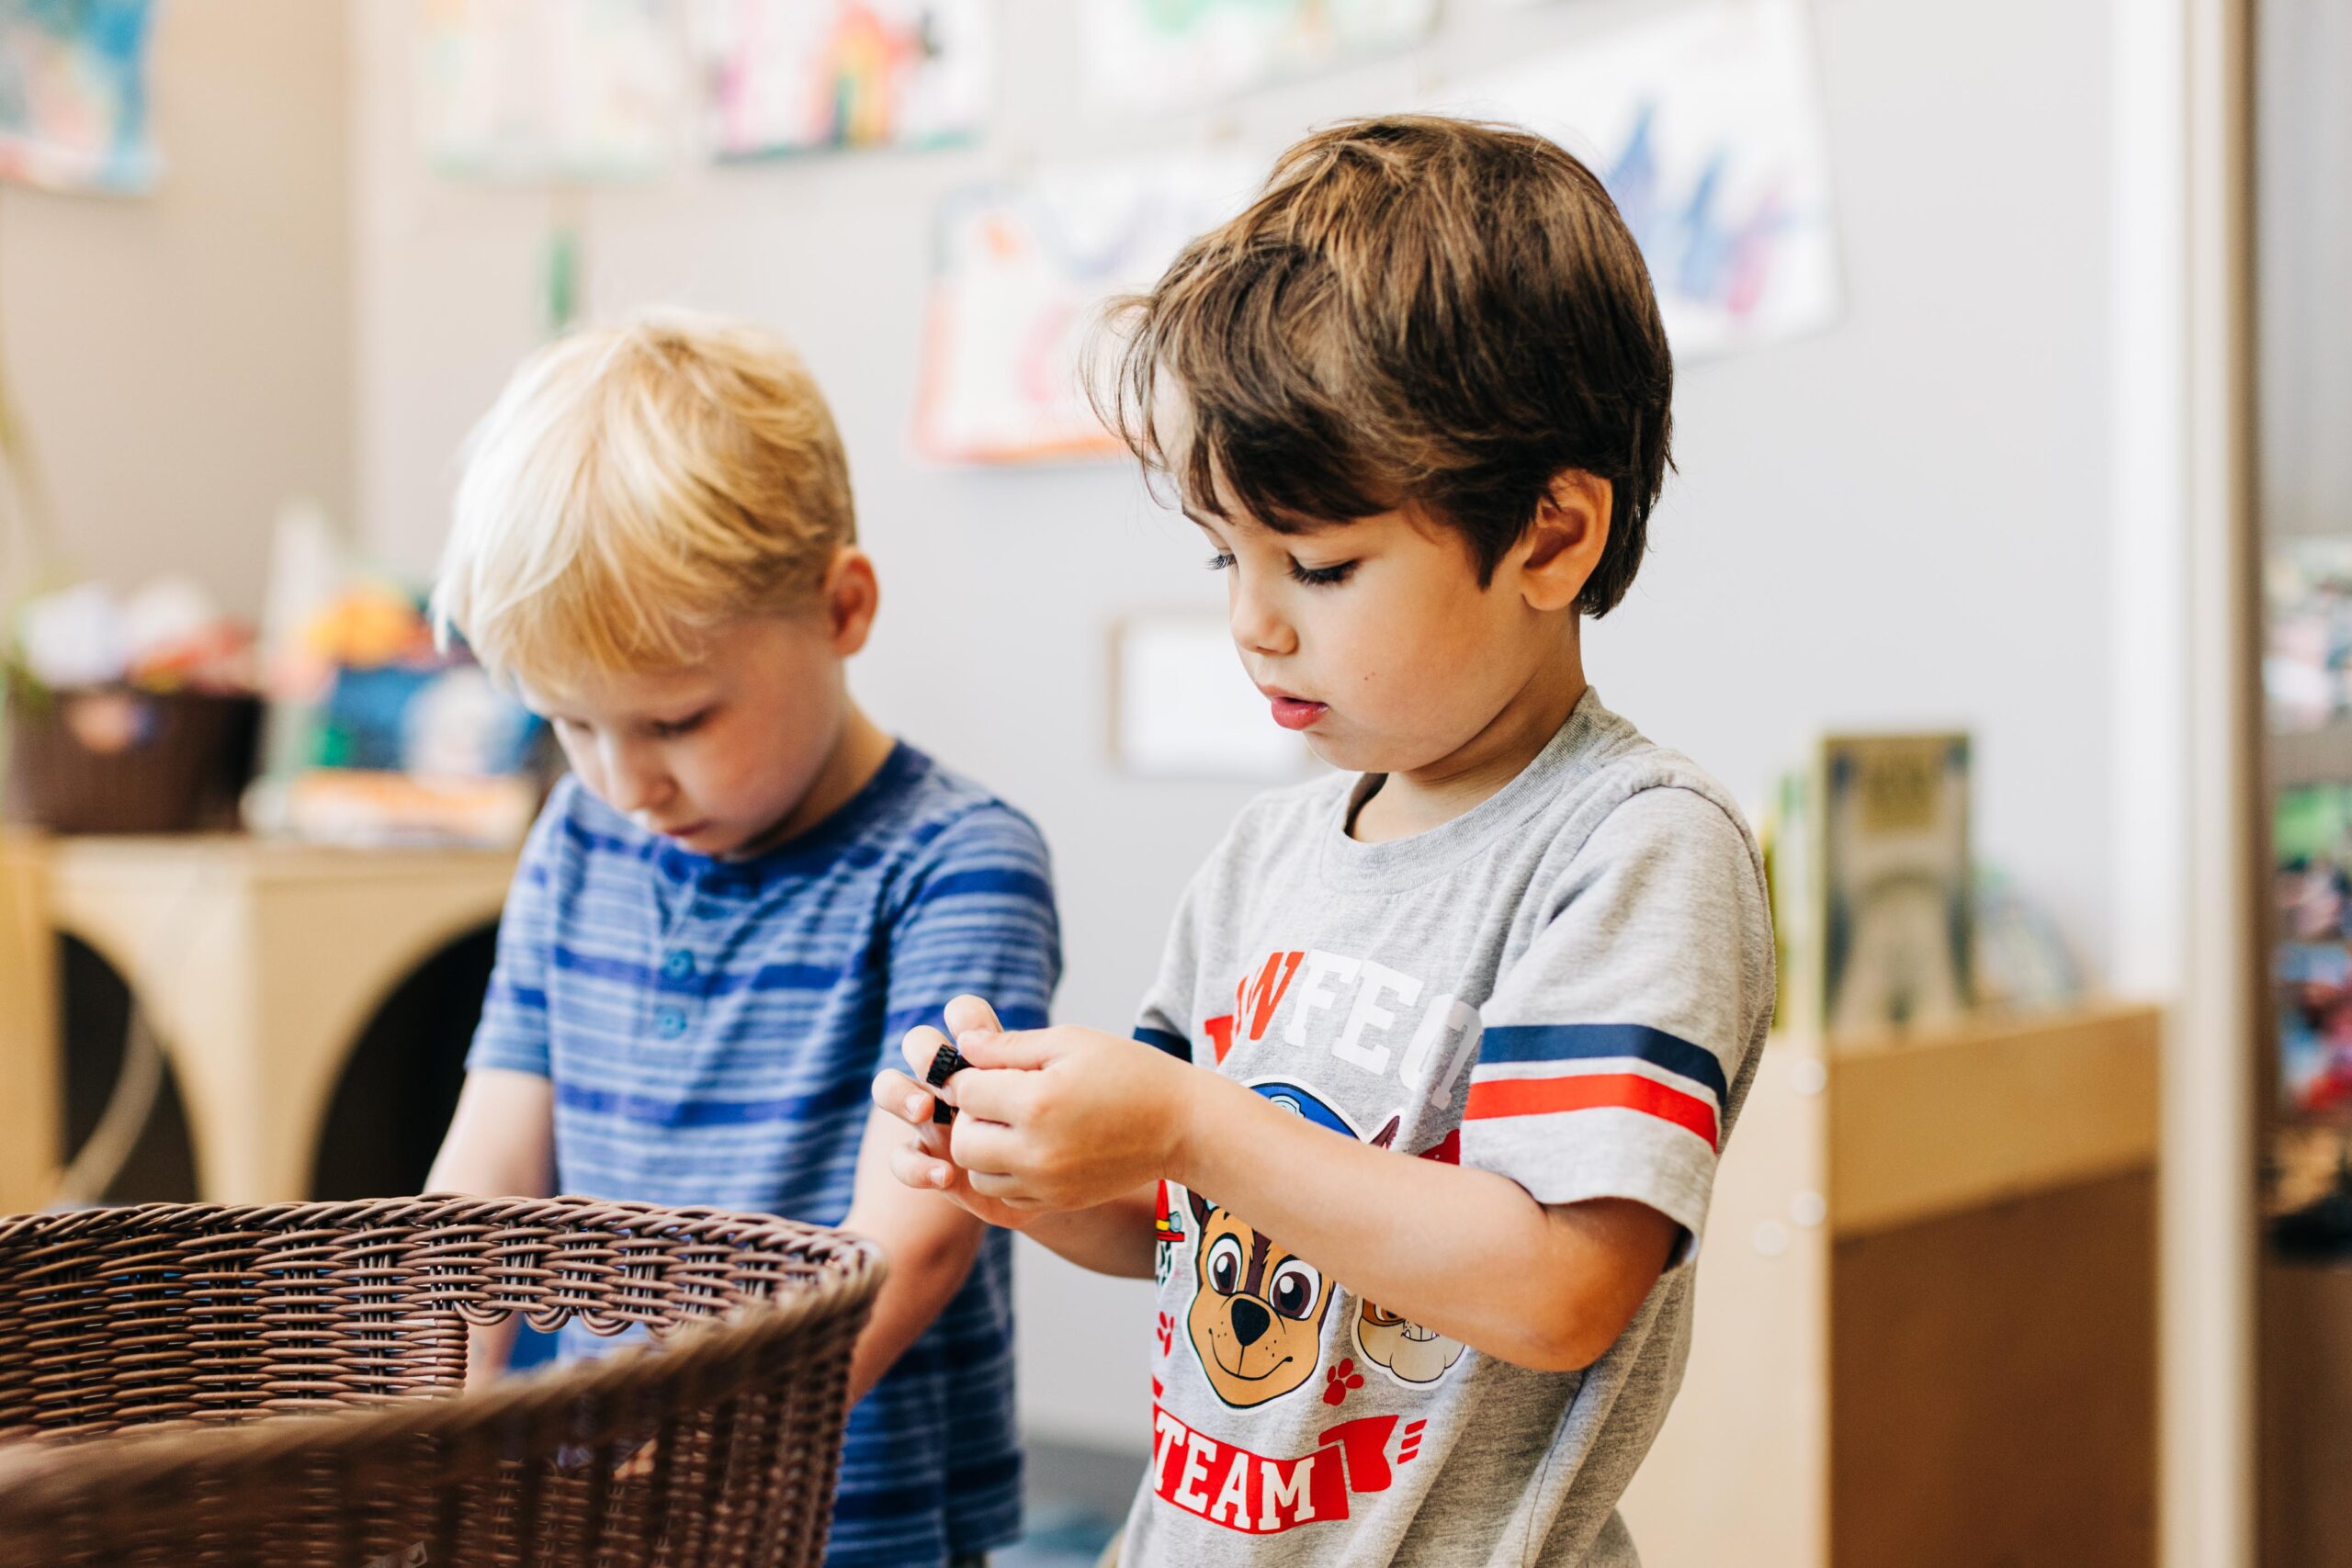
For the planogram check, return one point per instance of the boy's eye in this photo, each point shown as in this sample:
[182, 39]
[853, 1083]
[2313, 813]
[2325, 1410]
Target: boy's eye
[1321, 576]
[686, 726]
[1220, 561]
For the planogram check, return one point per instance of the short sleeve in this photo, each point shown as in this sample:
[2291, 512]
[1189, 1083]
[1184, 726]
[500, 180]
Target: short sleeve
[1614, 1049]
[1164, 1019]
[978, 918]
[513, 1033]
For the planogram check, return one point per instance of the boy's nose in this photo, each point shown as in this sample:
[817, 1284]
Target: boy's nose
[633, 780]
[1256, 628]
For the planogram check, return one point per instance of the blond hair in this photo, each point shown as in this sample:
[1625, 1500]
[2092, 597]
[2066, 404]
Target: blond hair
[634, 488]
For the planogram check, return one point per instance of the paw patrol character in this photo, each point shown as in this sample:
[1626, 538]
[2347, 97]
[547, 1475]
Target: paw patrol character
[1405, 1349]
[1257, 1313]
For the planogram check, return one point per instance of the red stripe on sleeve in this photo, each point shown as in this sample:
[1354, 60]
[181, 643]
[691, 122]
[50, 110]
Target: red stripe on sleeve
[1587, 1091]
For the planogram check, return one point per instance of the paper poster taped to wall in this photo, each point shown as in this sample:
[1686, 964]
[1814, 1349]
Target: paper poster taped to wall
[799, 75]
[1707, 126]
[550, 89]
[1148, 55]
[74, 94]
[1020, 273]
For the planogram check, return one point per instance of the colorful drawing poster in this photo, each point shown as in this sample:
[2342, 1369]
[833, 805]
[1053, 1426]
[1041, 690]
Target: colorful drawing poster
[1020, 273]
[550, 89]
[797, 75]
[1148, 54]
[1706, 127]
[74, 94]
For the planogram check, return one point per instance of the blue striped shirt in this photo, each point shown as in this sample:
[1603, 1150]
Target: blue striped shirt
[711, 1029]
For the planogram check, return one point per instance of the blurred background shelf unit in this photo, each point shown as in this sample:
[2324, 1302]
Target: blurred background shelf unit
[1925, 1325]
[311, 1005]
[2302, 496]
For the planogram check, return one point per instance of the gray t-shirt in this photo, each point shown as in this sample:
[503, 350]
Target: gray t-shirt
[1567, 984]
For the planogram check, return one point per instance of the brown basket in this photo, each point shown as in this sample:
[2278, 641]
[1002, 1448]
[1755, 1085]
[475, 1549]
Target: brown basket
[191, 1384]
[112, 760]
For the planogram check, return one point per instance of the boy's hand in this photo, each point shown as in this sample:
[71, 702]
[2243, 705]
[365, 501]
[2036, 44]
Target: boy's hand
[928, 1163]
[1054, 1119]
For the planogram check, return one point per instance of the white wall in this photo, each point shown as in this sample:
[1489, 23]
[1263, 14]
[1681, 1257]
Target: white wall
[183, 360]
[1902, 520]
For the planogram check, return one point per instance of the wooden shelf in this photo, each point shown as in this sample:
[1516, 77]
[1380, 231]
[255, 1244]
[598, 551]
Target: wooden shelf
[1911, 1243]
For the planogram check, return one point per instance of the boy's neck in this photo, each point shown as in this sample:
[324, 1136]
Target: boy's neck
[858, 755]
[1425, 797]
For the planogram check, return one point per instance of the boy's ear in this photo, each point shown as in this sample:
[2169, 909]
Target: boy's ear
[1562, 545]
[850, 595]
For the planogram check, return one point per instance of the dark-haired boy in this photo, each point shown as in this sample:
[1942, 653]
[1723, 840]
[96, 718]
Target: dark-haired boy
[1447, 1045]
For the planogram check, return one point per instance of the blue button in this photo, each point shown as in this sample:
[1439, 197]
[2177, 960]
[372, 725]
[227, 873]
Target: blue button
[670, 1023]
[679, 965]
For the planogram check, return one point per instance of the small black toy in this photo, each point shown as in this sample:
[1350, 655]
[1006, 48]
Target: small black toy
[944, 1065]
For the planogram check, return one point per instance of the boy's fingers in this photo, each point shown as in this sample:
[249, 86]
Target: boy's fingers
[966, 1013]
[1025, 1048]
[996, 1094]
[916, 1168]
[922, 1043]
[983, 1147]
[1007, 1190]
[902, 1097]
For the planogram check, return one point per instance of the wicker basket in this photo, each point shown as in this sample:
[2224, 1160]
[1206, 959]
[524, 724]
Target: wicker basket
[192, 1384]
[111, 759]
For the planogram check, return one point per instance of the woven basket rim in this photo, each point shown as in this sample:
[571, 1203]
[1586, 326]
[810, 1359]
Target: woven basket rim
[46, 1472]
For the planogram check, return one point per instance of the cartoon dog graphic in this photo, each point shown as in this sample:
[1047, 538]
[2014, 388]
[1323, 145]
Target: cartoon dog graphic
[1257, 1313]
[1404, 1348]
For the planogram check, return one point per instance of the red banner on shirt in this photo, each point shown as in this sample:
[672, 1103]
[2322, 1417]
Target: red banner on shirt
[1248, 1491]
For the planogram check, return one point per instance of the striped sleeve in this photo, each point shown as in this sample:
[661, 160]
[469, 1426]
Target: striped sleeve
[1612, 1049]
[513, 1033]
[978, 918]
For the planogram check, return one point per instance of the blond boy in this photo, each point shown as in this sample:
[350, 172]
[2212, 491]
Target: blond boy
[745, 890]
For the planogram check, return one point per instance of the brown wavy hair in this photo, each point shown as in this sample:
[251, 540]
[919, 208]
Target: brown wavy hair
[1414, 311]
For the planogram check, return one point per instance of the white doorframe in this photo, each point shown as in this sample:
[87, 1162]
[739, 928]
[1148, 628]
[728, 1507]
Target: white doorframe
[2186, 722]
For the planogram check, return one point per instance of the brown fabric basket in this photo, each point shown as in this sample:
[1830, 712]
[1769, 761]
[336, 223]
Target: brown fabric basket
[191, 1384]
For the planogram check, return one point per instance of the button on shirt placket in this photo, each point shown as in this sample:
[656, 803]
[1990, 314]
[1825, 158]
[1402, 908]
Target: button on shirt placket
[670, 1017]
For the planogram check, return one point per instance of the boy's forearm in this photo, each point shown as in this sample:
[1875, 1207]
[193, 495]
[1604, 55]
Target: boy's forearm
[1554, 1286]
[1113, 1238]
[925, 1277]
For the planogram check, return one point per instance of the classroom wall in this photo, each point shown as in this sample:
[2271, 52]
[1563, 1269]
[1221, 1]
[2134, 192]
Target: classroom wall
[182, 361]
[1902, 520]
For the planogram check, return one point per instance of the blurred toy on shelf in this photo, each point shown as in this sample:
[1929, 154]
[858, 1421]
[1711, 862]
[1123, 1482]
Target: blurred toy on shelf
[377, 736]
[2307, 664]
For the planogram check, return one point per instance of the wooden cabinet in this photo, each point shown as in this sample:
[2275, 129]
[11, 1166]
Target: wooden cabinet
[1926, 1310]
[259, 963]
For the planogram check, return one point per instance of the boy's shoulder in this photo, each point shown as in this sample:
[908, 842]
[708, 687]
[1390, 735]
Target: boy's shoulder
[1596, 766]
[915, 813]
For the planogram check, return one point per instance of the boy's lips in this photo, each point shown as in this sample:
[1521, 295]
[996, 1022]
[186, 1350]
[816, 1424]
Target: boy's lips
[1295, 712]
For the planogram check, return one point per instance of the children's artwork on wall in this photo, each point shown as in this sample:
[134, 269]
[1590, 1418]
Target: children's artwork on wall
[532, 90]
[1182, 707]
[799, 75]
[1705, 125]
[74, 94]
[1151, 54]
[1020, 272]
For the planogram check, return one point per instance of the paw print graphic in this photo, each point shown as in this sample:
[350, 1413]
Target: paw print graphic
[1340, 1380]
[1167, 1331]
